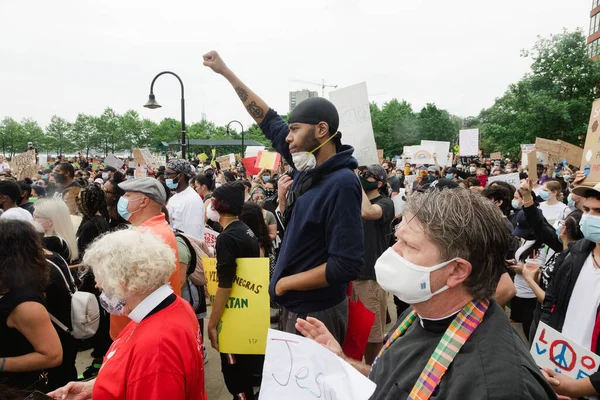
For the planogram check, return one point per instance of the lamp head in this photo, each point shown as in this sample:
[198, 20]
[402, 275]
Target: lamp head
[152, 104]
[227, 132]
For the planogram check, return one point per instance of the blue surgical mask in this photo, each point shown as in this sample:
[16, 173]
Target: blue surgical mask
[570, 201]
[122, 208]
[566, 177]
[545, 195]
[266, 178]
[398, 176]
[171, 184]
[590, 227]
[450, 176]
[45, 177]
[558, 229]
[516, 205]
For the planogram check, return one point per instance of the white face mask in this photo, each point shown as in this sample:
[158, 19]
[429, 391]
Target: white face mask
[212, 214]
[105, 175]
[112, 304]
[405, 280]
[304, 160]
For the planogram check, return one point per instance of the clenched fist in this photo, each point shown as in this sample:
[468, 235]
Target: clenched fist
[213, 60]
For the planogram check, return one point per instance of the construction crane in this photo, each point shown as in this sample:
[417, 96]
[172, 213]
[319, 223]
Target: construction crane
[322, 84]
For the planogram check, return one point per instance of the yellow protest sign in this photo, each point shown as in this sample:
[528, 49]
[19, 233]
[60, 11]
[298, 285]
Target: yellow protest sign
[267, 160]
[202, 157]
[246, 320]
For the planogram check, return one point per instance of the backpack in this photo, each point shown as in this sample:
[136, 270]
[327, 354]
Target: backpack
[198, 249]
[85, 312]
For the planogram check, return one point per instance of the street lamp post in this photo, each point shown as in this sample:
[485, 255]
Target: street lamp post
[153, 104]
[242, 126]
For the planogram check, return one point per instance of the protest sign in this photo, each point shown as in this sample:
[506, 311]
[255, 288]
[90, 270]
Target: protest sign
[496, 156]
[224, 162]
[441, 150]
[380, 155]
[571, 153]
[246, 319]
[542, 157]
[590, 161]
[512, 179]
[532, 162]
[268, 160]
[551, 349]
[409, 180]
[552, 147]
[352, 104]
[23, 165]
[469, 142]
[210, 237]
[112, 161]
[252, 151]
[138, 157]
[298, 368]
[399, 202]
[249, 163]
[526, 148]
[423, 155]
[202, 157]
[43, 160]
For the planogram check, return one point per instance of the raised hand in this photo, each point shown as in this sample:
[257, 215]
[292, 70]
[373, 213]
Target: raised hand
[213, 60]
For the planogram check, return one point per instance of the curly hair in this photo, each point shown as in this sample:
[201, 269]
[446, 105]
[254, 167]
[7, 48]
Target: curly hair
[22, 260]
[91, 201]
[124, 272]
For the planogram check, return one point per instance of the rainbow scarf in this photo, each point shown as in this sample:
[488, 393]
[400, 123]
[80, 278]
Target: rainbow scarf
[459, 331]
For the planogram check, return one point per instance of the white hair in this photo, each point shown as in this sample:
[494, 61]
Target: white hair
[130, 262]
[57, 211]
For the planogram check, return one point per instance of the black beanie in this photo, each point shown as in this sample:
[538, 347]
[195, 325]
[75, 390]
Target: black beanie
[314, 110]
[232, 195]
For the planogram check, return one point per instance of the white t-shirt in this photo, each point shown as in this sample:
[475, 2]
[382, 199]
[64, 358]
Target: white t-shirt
[186, 212]
[17, 213]
[524, 291]
[554, 213]
[581, 313]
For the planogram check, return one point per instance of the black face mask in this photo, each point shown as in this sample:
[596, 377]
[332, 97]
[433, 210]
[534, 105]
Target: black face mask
[60, 178]
[269, 193]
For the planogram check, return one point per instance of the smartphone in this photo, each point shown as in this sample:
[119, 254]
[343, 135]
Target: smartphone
[37, 395]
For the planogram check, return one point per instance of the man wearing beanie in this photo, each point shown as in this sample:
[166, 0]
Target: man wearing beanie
[236, 241]
[186, 208]
[323, 245]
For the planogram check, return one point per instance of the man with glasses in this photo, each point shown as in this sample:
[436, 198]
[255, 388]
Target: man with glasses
[377, 214]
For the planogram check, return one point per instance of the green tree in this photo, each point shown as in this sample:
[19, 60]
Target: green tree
[131, 132]
[107, 126]
[9, 130]
[84, 134]
[57, 135]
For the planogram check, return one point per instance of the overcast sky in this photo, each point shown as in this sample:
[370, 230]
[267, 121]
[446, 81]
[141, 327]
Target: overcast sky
[69, 56]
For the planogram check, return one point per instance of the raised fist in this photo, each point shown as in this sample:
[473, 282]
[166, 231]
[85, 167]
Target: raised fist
[213, 60]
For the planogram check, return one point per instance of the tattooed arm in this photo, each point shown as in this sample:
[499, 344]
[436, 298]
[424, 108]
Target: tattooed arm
[255, 106]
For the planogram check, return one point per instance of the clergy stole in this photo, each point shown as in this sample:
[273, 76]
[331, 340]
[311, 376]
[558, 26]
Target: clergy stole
[458, 332]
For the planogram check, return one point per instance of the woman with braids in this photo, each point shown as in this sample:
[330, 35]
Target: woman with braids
[91, 203]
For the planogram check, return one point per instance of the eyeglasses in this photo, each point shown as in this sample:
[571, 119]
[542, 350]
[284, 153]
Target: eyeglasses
[367, 174]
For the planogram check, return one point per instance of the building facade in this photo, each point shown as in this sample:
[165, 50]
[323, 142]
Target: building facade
[300, 95]
[594, 35]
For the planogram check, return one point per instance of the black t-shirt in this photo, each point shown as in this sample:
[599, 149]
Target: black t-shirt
[236, 241]
[88, 232]
[377, 236]
[394, 184]
[58, 298]
[57, 245]
[13, 343]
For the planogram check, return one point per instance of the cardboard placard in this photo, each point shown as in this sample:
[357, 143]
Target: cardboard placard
[224, 163]
[551, 349]
[353, 107]
[496, 156]
[532, 162]
[380, 155]
[112, 161]
[590, 161]
[244, 324]
[469, 142]
[268, 160]
[571, 153]
[552, 147]
[23, 165]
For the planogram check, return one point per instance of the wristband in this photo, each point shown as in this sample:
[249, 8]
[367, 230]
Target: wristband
[2, 365]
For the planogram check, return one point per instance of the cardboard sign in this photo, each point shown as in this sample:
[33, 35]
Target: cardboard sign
[590, 161]
[496, 156]
[267, 160]
[352, 104]
[297, 368]
[224, 162]
[244, 324]
[469, 142]
[441, 150]
[552, 147]
[423, 155]
[571, 153]
[23, 165]
[532, 162]
[380, 155]
[512, 179]
[551, 349]
[112, 161]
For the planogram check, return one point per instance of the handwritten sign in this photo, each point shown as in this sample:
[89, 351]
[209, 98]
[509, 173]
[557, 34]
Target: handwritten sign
[298, 368]
[590, 161]
[496, 156]
[422, 154]
[571, 153]
[441, 150]
[224, 162]
[552, 147]
[551, 349]
[469, 142]
[512, 179]
[210, 237]
[352, 104]
[409, 180]
[246, 319]
[268, 160]
[23, 165]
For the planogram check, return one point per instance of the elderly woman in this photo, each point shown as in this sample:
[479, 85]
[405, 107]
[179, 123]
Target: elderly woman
[158, 355]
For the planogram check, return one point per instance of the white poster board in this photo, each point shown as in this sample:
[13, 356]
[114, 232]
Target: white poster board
[512, 179]
[423, 155]
[43, 160]
[469, 142]
[408, 151]
[441, 150]
[551, 349]
[352, 104]
[252, 151]
[399, 202]
[298, 368]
